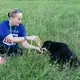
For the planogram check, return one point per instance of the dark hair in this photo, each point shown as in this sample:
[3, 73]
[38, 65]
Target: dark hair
[13, 12]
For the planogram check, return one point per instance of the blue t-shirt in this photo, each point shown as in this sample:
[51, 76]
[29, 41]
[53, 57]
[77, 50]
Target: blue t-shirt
[6, 29]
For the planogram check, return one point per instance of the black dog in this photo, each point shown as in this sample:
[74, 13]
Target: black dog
[61, 53]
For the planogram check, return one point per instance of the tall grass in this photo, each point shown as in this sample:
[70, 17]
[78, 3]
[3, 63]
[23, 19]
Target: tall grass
[57, 20]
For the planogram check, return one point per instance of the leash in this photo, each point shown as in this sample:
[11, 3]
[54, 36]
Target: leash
[38, 41]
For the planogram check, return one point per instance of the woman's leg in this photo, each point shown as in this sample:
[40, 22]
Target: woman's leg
[2, 54]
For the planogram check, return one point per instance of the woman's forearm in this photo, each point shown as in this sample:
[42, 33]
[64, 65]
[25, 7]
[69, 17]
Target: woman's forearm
[10, 38]
[28, 46]
[18, 39]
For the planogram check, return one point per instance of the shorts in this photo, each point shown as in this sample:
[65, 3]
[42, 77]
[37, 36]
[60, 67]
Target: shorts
[10, 51]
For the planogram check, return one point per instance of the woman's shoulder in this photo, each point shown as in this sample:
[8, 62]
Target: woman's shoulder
[4, 22]
[22, 25]
[4, 25]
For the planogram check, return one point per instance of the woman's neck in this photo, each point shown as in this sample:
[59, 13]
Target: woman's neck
[10, 22]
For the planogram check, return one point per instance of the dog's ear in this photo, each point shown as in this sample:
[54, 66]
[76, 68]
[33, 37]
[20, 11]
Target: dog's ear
[46, 44]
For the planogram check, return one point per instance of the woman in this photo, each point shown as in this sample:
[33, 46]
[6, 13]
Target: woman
[12, 32]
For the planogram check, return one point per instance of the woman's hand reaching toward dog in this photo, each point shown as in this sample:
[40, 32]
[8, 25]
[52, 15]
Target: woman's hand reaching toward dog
[40, 49]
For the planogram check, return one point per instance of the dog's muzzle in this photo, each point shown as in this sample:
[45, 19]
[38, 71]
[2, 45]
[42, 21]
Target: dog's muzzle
[44, 49]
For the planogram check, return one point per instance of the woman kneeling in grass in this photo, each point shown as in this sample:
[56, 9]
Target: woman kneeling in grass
[12, 32]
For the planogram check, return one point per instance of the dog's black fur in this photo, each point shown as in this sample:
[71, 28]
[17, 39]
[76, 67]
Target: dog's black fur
[60, 52]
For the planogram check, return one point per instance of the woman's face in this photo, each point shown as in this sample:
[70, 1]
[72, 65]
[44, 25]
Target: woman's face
[17, 19]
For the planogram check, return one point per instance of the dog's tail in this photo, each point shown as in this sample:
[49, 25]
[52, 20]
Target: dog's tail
[78, 62]
[74, 61]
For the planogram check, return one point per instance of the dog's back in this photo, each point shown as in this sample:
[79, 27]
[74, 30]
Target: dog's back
[60, 51]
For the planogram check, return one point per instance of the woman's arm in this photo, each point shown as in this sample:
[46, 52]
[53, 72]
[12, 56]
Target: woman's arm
[10, 38]
[25, 44]
[23, 41]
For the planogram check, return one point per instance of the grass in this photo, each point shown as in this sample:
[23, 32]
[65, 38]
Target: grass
[57, 20]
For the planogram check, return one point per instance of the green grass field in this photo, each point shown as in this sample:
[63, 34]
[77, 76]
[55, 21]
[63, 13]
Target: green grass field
[57, 20]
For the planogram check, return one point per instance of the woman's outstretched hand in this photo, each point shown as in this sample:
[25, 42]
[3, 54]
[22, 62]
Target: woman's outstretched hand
[40, 49]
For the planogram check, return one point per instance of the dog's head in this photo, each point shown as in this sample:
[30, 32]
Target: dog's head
[46, 45]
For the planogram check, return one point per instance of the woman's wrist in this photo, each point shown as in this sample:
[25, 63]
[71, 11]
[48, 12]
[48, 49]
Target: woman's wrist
[25, 38]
